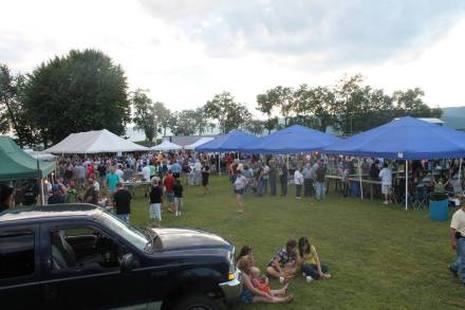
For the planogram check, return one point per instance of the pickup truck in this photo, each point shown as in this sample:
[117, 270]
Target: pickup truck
[79, 256]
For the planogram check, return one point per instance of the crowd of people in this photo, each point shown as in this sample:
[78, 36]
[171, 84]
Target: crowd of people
[295, 258]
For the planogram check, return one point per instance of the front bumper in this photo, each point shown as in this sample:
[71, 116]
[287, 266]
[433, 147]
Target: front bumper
[232, 289]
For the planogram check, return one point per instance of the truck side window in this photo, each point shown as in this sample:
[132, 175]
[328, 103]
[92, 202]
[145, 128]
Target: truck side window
[83, 248]
[16, 254]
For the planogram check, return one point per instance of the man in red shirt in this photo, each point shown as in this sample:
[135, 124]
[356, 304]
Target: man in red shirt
[168, 183]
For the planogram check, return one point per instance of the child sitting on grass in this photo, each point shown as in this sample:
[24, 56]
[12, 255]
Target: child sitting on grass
[251, 293]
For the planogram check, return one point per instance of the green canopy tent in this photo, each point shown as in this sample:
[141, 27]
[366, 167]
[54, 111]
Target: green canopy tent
[15, 164]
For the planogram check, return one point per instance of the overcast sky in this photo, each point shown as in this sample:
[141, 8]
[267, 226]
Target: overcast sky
[185, 51]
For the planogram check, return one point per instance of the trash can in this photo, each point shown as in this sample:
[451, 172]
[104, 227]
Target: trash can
[439, 208]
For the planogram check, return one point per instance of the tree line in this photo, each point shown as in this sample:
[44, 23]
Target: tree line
[85, 90]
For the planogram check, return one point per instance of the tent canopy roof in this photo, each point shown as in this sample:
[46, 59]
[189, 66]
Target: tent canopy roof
[233, 141]
[93, 142]
[404, 138]
[15, 164]
[166, 146]
[291, 140]
[198, 143]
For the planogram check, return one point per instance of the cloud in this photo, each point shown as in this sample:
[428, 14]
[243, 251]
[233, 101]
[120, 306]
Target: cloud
[333, 32]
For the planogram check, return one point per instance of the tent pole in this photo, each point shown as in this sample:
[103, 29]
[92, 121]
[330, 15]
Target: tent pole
[219, 164]
[360, 178]
[406, 185]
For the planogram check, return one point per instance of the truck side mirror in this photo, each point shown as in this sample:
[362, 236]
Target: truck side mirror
[128, 263]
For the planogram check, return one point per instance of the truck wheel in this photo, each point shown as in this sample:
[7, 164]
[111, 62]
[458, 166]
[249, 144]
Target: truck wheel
[199, 302]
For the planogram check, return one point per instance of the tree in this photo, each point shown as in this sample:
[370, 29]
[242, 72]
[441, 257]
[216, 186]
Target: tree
[227, 112]
[81, 91]
[255, 126]
[12, 114]
[186, 123]
[144, 116]
[278, 97]
[410, 102]
[162, 116]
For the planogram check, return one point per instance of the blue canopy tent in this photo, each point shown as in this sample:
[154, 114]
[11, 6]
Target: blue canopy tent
[292, 140]
[233, 141]
[405, 138]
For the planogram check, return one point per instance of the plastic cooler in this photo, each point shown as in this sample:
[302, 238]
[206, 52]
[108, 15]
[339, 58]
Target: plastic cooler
[438, 209]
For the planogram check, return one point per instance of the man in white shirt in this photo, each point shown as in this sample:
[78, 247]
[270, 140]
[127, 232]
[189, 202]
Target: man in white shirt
[298, 181]
[386, 182]
[457, 240]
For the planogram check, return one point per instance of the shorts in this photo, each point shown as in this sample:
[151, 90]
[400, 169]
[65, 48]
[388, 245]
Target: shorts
[385, 189]
[246, 296]
[155, 211]
[204, 181]
[169, 196]
[239, 191]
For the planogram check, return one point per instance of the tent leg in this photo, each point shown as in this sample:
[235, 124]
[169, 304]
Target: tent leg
[219, 164]
[406, 185]
[360, 178]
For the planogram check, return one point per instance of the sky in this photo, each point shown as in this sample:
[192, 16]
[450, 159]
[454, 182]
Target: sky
[185, 51]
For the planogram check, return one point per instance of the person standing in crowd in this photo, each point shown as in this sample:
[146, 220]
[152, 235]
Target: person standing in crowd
[273, 176]
[308, 181]
[283, 177]
[266, 177]
[127, 173]
[168, 183]
[386, 182]
[81, 174]
[374, 176]
[457, 240]
[178, 189]
[298, 181]
[119, 172]
[205, 176]
[57, 196]
[156, 198]
[146, 172]
[122, 202]
[91, 195]
[320, 180]
[240, 184]
[6, 197]
[102, 171]
[112, 180]
[176, 169]
[345, 181]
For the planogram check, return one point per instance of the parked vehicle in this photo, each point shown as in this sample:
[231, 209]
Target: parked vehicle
[80, 256]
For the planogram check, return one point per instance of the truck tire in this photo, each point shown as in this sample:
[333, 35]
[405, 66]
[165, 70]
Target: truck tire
[199, 302]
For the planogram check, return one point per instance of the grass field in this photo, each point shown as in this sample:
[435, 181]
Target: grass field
[380, 257]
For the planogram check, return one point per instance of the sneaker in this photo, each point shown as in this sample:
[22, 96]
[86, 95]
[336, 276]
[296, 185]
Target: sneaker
[454, 272]
[281, 280]
[308, 279]
[304, 274]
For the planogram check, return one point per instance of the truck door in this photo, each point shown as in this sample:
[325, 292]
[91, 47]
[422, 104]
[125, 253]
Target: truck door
[19, 267]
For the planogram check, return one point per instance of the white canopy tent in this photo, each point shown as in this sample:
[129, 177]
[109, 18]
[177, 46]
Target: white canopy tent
[93, 142]
[198, 143]
[166, 146]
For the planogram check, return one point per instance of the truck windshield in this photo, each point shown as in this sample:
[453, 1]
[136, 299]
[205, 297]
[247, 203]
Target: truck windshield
[128, 232]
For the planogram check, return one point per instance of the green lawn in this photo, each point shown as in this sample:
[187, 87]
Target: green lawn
[380, 257]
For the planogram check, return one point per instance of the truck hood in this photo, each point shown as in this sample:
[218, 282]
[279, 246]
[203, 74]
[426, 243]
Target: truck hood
[185, 239]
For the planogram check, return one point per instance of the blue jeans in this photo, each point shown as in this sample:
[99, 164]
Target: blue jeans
[261, 187]
[123, 217]
[312, 270]
[459, 264]
[320, 190]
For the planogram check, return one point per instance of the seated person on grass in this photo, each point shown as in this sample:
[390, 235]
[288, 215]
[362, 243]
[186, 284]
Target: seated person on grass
[283, 265]
[309, 262]
[255, 289]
